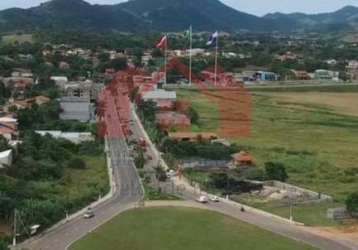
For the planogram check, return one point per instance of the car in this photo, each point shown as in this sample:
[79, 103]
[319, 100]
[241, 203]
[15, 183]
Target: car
[214, 198]
[203, 199]
[88, 214]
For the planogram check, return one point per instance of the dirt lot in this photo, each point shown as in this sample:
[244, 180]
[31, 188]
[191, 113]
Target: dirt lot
[342, 103]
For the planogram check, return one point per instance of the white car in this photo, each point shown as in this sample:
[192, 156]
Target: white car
[203, 199]
[214, 198]
[88, 214]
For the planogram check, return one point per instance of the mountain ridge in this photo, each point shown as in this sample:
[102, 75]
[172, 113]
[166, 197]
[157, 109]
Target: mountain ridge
[165, 15]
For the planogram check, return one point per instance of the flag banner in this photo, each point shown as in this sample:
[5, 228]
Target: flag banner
[162, 43]
[213, 39]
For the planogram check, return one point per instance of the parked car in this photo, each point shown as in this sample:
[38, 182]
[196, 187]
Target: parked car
[88, 214]
[203, 199]
[214, 198]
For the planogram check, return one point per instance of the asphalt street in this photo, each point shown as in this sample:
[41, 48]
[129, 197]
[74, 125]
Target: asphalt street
[128, 193]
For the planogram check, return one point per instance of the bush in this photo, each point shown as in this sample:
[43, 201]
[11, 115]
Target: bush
[193, 116]
[256, 174]
[4, 245]
[275, 171]
[352, 204]
[77, 163]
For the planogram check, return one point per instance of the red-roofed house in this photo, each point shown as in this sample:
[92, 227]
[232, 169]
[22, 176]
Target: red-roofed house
[243, 159]
[168, 120]
[165, 105]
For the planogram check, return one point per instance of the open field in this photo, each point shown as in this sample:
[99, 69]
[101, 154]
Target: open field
[317, 143]
[341, 103]
[82, 185]
[181, 228]
[17, 38]
[207, 110]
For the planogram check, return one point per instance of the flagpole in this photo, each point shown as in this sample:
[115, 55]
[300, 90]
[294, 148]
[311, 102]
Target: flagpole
[216, 59]
[165, 60]
[190, 54]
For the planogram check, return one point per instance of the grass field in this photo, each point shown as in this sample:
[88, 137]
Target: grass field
[316, 142]
[207, 110]
[181, 228]
[84, 185]
[17, 38]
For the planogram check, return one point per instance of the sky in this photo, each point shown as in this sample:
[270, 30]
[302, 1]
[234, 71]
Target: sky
[256, 7]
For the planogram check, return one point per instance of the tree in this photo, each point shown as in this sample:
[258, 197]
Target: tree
[193, 115]
[118, 63]
[352, 204]
[219, 180]
[77, 163]
[4, 145]
[139, 160]
[275, 171]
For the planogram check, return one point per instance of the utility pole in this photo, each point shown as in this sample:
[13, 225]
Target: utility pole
[190, 55]
[15, 229]
[216, 60]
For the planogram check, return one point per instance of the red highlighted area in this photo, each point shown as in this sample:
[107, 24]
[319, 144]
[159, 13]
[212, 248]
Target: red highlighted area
[233, 100]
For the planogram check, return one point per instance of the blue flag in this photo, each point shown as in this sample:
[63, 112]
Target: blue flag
[213, 39]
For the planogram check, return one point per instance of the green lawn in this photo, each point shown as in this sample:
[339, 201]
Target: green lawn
[179, 229]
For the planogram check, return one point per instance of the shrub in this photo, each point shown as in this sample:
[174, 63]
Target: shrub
[77, 163]
[352, 204]
[275, 171]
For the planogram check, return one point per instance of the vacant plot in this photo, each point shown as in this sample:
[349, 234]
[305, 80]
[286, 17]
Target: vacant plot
[208, 110]
[315, 140]
[181, 228]
[82, 186]
[342, 103]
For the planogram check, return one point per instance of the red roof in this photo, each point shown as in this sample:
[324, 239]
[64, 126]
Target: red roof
[169, 119]
[243, 157]
[165, 105]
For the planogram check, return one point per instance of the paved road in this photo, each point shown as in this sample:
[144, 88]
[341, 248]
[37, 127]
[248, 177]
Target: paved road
[299, 233]
[128, 193]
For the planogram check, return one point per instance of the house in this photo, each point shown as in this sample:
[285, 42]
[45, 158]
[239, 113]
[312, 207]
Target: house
[18, 83]
[191, 136]
[266, 76]
[288, 56]
[165, 105]
[85, 89]
[352, 70]
[243, 159]
[159, 95]
[8, 127]
[298, 75]
[323, 74]
[64, 65]
[168, 120]
[18, 72]
[195, 52]
[27, 103]
[6, 158]
[59, 80]
[331, 62]
[74, 137]
[77, 108]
